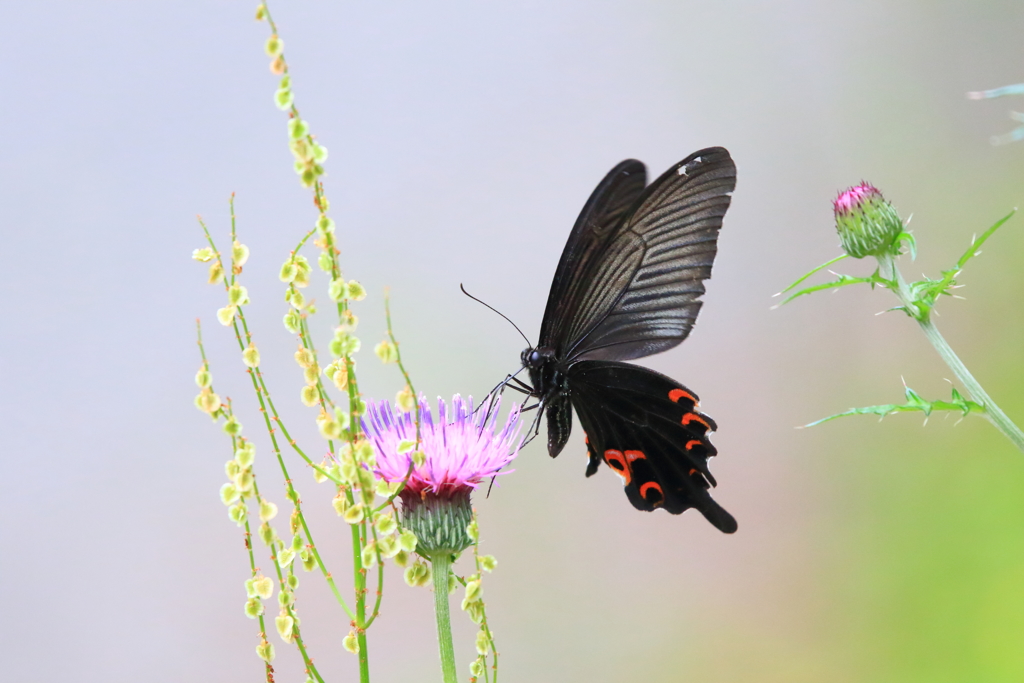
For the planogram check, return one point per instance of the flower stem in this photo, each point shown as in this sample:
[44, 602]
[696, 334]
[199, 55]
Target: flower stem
[923, 316]
[441, 563]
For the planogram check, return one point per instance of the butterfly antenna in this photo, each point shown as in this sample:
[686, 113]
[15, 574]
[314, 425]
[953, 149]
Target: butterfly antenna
[496, 311]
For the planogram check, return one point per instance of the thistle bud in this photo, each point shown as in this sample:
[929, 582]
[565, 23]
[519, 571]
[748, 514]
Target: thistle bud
[867, 224]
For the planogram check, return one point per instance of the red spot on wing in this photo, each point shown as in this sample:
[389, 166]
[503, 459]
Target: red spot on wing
[617, 461]
[652, 493]
[694, 442]
[676, 394]
[694, 417]
[635, 455]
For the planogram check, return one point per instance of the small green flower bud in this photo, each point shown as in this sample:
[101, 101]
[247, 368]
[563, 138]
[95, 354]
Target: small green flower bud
[310, 396]
[208, 402]
[473, 591]
[244, 481]
[293, 582]
[253, 608]
[340, 504]
[238, 295]
[267, 534]
[237, 513]
[268, 510]
[229, 494]
[308, 560]
[265, 651]
[349, 472]
[328, 426]
[261, 12]
[482, 643]
[402, 558]
[284, 624]
[296, 299]
[277, 65]
[285, 83]
[452, 583]
[407, 540]
[285, 557]
[293, 524]
[239, 254]
[288, 271]
[356, 292]
[386, 489]
[304, 357]
[324, 225]
[387, 546]
[404, 400]
[337, 290]
[325, 262]
[203, 255]
[405, 445]
[232, 468]
[351, 642]
[868, 225]
[417, 574]
[488, 563]
[386, 351]
[204, 379]
[284, 99]
[261, 587]
[475, 610]
[340, 376]
[274, 46]
[342, 418]
[226, 315]
[232, 426]
[476, 667]
[355, 514]
[473, 531]
[297, 128]
[293, 321]
[216, 273]
[365, 453]
[298, 543]
[251, 357]
[246, 454]
[311, 374]
[369, 555]
[308, 176]
[418, 458]
[319, 154]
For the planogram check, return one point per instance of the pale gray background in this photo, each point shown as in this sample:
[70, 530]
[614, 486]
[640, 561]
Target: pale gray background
[464, 138]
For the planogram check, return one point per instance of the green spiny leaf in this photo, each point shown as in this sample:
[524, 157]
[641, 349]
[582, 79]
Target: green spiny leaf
[914, 404]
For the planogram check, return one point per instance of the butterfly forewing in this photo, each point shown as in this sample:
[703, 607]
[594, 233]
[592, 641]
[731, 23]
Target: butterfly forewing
[596, 225]
[639, 294]
[646, 428]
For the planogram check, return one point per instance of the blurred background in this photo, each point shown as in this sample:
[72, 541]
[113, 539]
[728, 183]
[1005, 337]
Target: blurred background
[464, 139]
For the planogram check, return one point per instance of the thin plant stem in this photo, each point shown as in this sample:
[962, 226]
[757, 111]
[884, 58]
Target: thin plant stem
[440, 567]
[993, 412]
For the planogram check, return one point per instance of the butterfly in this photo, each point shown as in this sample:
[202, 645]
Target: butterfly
[628, 285]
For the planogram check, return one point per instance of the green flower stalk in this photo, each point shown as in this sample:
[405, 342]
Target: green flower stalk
[458, 452]
[868, 225]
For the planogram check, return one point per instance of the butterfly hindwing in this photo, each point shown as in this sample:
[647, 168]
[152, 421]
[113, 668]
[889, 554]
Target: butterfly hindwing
[646, 428]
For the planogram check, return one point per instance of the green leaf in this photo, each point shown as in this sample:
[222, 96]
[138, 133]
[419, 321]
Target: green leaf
[823, 266]
[914, 404]
[925, 292]
[840, 281]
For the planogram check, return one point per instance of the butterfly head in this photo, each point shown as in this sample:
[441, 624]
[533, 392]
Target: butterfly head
[540, 362]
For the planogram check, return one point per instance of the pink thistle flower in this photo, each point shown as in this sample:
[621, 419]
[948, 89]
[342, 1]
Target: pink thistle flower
[460, 450]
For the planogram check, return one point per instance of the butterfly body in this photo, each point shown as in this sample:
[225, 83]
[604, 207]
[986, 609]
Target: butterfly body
[627, 286]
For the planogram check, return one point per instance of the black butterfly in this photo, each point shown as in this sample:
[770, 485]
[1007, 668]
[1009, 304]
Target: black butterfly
[628, 285]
